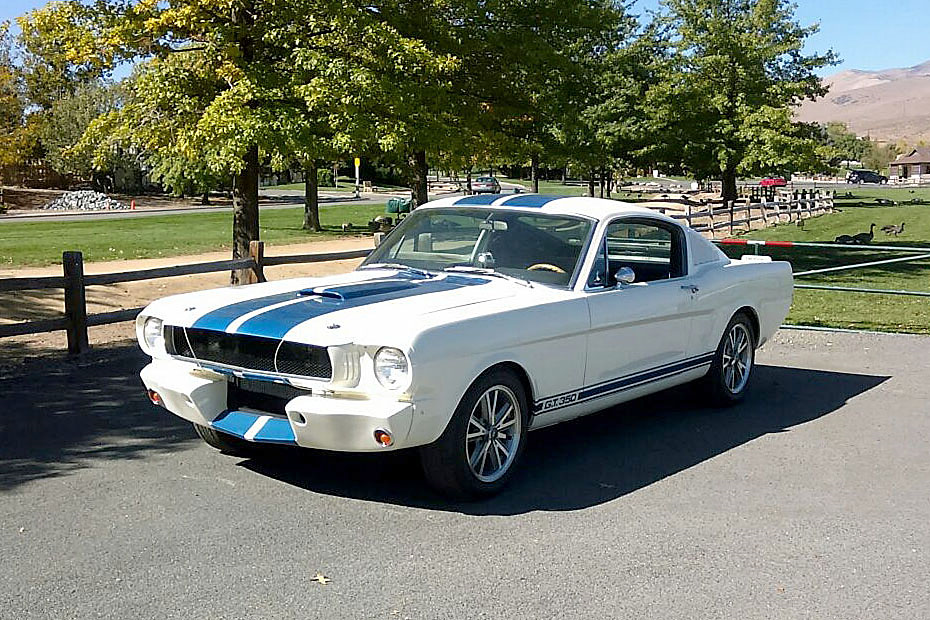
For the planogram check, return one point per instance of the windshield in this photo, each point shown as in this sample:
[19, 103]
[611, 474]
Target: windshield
[535, 247]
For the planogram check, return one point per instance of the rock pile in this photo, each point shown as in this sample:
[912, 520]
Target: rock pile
[84, 200]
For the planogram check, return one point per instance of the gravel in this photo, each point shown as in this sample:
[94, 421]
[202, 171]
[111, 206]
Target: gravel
[84, 200]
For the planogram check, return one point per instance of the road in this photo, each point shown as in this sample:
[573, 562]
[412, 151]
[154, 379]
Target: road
[273, 199]
[807, 501]
[282, 200]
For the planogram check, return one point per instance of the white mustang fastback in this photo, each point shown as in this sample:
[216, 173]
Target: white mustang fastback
[477, 319]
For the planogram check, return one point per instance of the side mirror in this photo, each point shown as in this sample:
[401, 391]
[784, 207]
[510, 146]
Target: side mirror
[625, 275]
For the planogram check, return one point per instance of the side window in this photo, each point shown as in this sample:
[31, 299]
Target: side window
[653, 250]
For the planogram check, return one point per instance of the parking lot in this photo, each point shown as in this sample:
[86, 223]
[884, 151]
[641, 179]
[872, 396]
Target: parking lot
[810, 500]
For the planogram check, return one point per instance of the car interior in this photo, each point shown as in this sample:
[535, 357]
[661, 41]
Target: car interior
[653, 250]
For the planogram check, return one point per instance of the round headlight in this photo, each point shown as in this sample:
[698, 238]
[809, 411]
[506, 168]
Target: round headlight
[391, 367]
[153, 333]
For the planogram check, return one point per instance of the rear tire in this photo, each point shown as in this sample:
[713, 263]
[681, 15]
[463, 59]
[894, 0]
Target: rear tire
[477, 453]
[225, 443]
[728, 379]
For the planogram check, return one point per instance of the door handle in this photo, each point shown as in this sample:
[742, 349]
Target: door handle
[690, 287]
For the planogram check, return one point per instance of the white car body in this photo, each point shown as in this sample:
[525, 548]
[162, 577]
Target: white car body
[576, 350]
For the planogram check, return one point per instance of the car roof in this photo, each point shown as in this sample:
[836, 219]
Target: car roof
[596, 208]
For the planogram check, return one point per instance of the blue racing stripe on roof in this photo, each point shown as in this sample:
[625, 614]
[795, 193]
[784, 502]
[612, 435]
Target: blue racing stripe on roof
[477, 199]
[530, 200]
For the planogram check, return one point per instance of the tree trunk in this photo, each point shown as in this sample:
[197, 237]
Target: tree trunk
[728, 182]
[420, 184]
[311, 199]
[245, 210]
[534, 172]
[610, 178]
[468, 180]
[591, 184]
[564, 174]
[205, 198]
[601, 184]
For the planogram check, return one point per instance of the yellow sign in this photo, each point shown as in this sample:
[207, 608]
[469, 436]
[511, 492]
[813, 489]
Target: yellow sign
[358, 162]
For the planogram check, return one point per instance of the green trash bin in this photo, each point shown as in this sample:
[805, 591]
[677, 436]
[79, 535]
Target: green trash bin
[399, 205]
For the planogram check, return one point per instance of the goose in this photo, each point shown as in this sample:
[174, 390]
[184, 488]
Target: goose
[896, 230]
[864, 237]
[888, 229]
[844, 239]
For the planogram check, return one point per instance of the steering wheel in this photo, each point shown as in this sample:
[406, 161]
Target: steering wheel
[545, 267]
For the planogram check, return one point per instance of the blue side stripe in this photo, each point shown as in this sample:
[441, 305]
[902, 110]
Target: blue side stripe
[612, 386]
[278, 321]
[530, 200]
[643, 377]
[477, 199]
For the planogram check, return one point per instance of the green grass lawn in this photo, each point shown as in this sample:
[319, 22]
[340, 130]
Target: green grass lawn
[41, 243]
[859, 310]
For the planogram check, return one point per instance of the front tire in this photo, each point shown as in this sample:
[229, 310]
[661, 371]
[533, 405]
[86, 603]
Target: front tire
[727, 380]
[478, 452]
[225, 443]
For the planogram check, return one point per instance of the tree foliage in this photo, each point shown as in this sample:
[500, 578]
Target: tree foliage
[726, 100]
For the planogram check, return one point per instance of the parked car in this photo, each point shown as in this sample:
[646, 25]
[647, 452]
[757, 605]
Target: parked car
[865, 176]
[486, 185]
[773, 182]
[477, 319]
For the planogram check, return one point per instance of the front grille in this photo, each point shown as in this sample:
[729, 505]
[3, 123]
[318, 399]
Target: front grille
[249, 352]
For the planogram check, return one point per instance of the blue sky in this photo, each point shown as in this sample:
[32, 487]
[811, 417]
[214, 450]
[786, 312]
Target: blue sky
[865, 33]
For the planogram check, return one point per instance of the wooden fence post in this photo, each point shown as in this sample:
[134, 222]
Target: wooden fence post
[732, 204]
[688, 213]
[257, 254]
[75, 302]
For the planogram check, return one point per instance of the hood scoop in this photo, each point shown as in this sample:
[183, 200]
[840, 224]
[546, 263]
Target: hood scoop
[347, 292]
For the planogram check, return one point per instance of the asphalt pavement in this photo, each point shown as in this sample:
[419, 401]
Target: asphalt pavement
[809, 500]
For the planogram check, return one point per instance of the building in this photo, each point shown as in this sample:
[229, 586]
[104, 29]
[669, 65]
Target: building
[912, 167]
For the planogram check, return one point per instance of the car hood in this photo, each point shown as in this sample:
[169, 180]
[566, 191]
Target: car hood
[333, 310]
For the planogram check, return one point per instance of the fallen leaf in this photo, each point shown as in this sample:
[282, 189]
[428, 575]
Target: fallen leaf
[321, 579]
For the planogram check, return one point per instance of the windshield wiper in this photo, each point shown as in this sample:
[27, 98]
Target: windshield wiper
[487, 272]
[399, 267]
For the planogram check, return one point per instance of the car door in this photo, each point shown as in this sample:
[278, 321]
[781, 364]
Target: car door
[640, 331]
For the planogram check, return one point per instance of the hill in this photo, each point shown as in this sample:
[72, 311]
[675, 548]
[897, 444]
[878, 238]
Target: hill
[891, 104]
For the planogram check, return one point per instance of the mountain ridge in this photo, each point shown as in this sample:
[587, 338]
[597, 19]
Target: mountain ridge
[887, 104]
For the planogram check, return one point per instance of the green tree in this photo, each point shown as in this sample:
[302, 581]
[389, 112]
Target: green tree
[252, 63]
[64, 123]
[12, 105]
[738, 69]
[843, 144]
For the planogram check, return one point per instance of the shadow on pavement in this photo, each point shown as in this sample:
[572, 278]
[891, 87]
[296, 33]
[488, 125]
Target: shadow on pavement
[60, 415]
[594, 459]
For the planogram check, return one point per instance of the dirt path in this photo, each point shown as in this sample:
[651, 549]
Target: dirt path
[32, 305]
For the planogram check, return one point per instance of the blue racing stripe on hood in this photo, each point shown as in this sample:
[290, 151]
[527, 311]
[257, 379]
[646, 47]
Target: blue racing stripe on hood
[221, 318]
[278, 321]
[530, 200]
